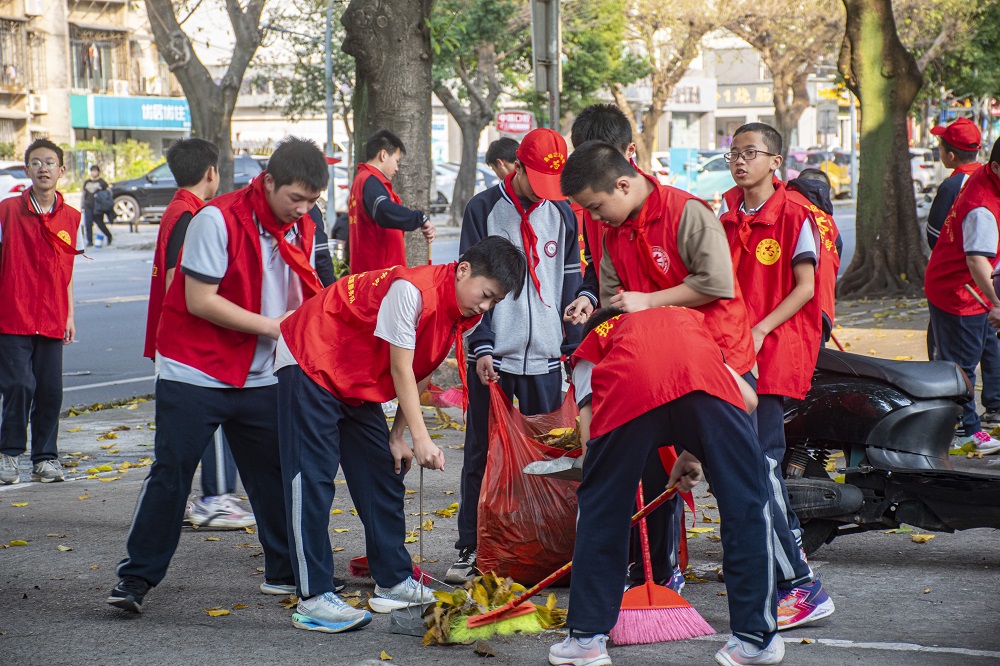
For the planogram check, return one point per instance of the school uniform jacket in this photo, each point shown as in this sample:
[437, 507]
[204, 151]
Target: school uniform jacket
[35, 271]
[183, 203]
[526, 336]
[646, 359]
[762, 246]
[222, 353]
[332, 336]
[947, 274]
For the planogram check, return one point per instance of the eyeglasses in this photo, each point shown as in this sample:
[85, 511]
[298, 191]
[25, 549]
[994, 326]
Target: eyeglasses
[749, 154]
[38, 164]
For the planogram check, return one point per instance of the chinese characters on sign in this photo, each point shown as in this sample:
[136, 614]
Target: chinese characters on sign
[515, 122]
[731, 96]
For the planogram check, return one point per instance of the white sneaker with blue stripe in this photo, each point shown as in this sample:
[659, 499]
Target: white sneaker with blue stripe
[401, 595]
[328, 613]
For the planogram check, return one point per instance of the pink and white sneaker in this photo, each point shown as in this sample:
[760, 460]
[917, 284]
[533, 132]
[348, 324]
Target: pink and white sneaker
[220, 512]
[575, 651]
[803, 604]
[739, 653]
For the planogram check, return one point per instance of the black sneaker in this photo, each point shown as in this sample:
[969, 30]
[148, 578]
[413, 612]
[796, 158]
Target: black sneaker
[990, 419]
[464, 567]
[128, 594]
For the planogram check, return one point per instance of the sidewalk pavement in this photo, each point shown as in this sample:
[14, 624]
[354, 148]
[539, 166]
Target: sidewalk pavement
[898, 602]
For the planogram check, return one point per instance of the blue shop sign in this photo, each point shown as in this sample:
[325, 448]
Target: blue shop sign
[129, 113]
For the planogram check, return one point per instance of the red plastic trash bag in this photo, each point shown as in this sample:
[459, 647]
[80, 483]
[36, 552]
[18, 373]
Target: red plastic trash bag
[527, 524]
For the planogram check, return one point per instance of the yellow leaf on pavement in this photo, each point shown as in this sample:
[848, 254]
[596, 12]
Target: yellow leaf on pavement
[18, 542]
[64, 549]
[105, 468]
[338, 549]
[19, 504]
[211, 538]
[107, 435]
[249, 530]
[410, 539]
[902, 358]
[76, 429]
[109, 478]
[428, 525]
[701, 530]
[84, 496]
[336, 512]
[239, 606]
[216, 612]
[341, 530]
[385, 656]
[921, 538]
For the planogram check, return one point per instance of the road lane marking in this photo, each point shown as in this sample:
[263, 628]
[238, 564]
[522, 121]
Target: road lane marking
[889, 647]
[112, 383]
[115, 299]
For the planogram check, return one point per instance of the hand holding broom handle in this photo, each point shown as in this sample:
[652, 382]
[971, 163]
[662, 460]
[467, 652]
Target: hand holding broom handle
[514, 607]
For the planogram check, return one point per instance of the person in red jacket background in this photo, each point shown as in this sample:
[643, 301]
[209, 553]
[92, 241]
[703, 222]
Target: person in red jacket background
[40, 237]
[958, 280]
[377, 218]
[247, 262]
[370, 338]
[775, 241]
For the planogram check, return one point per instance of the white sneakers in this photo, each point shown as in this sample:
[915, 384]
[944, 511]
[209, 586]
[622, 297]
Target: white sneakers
[401, 595]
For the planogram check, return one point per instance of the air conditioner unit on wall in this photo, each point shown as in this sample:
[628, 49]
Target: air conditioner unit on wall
[38, 104]
[34, 7]
[118, 87]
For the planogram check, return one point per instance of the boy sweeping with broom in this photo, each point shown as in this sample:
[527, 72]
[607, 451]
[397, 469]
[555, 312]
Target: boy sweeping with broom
[685, 389]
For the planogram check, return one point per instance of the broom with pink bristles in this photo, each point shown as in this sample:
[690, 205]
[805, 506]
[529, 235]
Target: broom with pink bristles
[651, 613]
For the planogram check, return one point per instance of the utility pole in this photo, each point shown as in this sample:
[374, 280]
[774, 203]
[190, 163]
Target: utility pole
[546, 49]
[331, 213]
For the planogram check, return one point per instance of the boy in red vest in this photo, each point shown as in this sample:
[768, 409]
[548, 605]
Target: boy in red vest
[377, 218]
[246, 263]
[520, 343]
[40, 237]
[775, 244]
[194, 164]
[681, 393]
[662, 246]
[368, 339]
[958, 276]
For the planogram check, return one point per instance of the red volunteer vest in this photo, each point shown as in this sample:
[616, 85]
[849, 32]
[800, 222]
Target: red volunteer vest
[661, 267]
[333, 338]
[635, 372]
[183, 202]
[829, 260]
[594, 232]
[762, 246]
[372, 247]
[223, 353]
[34, 275]
[947, 272]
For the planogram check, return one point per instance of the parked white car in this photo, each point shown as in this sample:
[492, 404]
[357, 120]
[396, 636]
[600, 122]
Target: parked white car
[923, 169]
[13, 179]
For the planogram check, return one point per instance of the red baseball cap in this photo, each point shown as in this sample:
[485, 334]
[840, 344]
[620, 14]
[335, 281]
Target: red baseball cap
[962, 134]
[543, 153]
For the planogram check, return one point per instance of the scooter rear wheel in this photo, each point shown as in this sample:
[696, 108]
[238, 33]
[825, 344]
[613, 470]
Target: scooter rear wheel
[815, 534]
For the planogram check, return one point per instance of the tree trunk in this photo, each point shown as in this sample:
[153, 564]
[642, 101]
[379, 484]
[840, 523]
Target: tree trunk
[390, 42]
[791, 99]
[471, 123]
[884, 75]
[211, 104]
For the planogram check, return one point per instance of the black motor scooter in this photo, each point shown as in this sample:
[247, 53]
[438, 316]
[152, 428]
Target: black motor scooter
[894, 422]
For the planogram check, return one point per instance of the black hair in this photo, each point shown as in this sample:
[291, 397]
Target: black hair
[596, 165]
[43, 143]
[771, 137]
[94, 167]
[190, 160]
[963, 156]
[496, 258]
[383, 140]
[299, 161]
[599, 317]
[815, 174]
[504, 148]
[995, 152]
[602, 122]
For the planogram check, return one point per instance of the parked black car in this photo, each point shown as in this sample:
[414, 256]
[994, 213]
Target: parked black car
[146, 197]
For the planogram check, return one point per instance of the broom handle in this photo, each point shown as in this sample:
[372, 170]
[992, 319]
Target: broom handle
[647, 563]
[420, 521]
[564, 569]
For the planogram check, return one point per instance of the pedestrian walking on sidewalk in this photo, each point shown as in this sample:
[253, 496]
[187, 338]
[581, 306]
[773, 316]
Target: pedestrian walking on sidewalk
[95, 210]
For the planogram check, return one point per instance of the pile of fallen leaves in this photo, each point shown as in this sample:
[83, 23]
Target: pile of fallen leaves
[481, 594]
[566, 439]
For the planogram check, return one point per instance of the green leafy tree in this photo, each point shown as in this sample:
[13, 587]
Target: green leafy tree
[480, 50]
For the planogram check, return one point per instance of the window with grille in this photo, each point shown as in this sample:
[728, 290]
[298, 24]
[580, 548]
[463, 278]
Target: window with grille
[8, 132]
[37, 77]
[13, 57]
[99, 58]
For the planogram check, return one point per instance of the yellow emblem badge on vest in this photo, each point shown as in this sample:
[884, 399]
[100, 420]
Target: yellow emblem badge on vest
[64, 237]
[768, 251]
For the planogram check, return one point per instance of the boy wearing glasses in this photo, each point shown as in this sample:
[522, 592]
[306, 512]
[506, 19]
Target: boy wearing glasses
[775, 244]
[40, 237]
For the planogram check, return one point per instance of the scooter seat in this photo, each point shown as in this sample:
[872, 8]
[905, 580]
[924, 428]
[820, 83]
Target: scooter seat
[919, 379]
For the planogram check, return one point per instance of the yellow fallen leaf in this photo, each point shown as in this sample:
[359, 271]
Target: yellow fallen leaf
[927, 591]
[84, 496]
[872, 352]
[353, 511]
[340, 482]
[448, 492]
[239, 606]
[410, 539]
[76, 429]
[250, 530]
[18, 542]
[428, 525]
[341, 530]
[132, 407]
[336, 512]
[64, 549]
[921, 538]
[108, 446]
[701, 530]
[289, 602]
[807, 641]
[902, 358]
[385, 656]
[19, 504]
[211, 538]
[411, 492]
[107, 435]
[216, 612]
[109, 478]
[338, 549]
[92, 470]
[105, 468]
